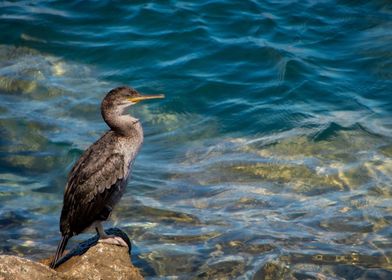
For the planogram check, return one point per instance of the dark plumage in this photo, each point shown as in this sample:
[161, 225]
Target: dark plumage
[98, 179]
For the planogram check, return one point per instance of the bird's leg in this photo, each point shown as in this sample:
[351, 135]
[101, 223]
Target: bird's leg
[109, 239]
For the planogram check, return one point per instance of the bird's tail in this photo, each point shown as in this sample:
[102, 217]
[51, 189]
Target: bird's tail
[60, 250]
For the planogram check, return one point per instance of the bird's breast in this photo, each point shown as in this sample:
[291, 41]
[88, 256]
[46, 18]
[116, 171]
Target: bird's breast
[129, 147]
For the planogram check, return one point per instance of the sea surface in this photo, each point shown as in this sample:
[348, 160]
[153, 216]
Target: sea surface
[270, 158]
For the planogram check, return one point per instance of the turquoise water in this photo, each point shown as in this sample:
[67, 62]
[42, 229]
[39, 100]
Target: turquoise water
[270, 158]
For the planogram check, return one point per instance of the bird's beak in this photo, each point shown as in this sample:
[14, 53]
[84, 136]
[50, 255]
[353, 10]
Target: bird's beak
[145, 97]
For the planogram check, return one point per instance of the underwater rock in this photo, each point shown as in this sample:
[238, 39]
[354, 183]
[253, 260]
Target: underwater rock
[89, 260]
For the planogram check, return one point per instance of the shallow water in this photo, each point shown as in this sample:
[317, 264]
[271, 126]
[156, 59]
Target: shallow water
[270, 158]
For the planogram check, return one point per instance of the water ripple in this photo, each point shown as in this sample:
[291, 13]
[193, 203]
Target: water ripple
[271, 156]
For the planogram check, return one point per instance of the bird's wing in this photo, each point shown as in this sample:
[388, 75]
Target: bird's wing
[90, 185]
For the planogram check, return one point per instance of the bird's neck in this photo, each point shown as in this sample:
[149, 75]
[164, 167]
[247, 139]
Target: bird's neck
[121, 123]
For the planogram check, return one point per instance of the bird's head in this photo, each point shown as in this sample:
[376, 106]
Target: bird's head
[118, 99]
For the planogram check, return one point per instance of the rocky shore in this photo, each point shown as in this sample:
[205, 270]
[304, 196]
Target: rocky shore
[89, 260]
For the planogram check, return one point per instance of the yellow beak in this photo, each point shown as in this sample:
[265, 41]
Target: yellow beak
[145, 97]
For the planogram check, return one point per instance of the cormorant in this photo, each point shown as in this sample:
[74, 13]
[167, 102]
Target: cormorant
[98, 179]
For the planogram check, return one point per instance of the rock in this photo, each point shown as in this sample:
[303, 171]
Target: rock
[89, 260]
[102, 261]
[12, 267]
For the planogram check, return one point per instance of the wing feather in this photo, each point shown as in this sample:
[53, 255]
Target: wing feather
[91, 184]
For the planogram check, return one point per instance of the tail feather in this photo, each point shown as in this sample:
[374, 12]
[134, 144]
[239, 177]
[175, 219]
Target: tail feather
[60, 250]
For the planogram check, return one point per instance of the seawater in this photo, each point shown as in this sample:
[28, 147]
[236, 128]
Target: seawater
[270, 158]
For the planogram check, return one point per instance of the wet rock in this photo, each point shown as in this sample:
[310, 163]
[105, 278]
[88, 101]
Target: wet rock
[89, 260]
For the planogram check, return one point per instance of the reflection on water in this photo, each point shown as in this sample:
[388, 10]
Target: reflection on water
[303, 202]
[324, 197]
[270, 158]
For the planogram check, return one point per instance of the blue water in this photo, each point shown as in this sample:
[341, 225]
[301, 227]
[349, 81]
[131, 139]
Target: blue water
[270, 158]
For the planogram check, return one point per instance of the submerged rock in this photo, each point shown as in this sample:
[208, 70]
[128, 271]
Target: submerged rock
[89, 260]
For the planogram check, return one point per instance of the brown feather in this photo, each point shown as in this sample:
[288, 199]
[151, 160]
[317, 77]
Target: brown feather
[98, 179]
[96, 183]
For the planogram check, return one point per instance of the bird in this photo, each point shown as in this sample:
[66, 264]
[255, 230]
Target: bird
[98, 179]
